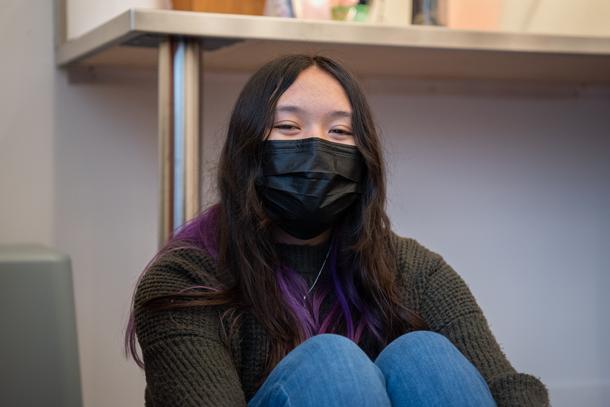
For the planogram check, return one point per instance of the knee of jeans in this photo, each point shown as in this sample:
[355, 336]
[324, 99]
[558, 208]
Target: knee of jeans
[330, 342]
[331, 348]
[332, 367]
[416, 342]
[340, 357]
[428, 338]
[332, 339]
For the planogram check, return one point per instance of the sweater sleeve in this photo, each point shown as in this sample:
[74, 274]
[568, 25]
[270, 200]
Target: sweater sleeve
[450, 309]
[186, 361]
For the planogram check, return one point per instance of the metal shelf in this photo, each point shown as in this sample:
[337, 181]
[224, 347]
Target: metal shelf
[241, 43]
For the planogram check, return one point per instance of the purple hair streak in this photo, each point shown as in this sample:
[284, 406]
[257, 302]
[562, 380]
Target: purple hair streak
[347, 315]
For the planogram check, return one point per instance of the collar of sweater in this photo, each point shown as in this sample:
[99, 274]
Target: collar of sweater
[305, 259]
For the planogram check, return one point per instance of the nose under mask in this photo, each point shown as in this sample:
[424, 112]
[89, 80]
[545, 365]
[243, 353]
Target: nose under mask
[307, 184]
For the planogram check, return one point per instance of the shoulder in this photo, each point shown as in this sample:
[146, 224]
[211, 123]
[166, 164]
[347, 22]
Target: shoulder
[171, 271]
[442, 293]
[414, 263]
[425, 266]
[412, 256]
[424, 272]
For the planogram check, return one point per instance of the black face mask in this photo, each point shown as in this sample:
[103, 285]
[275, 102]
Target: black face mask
[307, 184]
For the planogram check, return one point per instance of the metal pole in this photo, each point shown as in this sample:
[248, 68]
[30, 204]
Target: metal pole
[179, 133]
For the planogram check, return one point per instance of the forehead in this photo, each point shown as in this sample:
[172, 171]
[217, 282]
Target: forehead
[315, 89]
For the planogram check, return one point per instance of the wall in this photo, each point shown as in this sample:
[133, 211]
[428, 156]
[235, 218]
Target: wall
[27, 78]
[569, 17]
[511, 190]
[83, 15]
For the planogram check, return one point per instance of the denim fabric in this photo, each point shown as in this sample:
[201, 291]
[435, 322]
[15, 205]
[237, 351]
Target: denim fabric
[420, 368]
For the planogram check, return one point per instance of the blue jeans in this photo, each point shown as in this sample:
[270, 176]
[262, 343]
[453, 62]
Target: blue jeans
[420, 368]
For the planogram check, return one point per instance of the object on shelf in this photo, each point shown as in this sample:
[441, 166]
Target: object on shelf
[390, 12]
[485, 15]
[429, 12]
[252, 7]
[279, 8]
[312, 9]
[351, 11]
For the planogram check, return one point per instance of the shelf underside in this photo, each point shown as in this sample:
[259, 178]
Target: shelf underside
[388, 61]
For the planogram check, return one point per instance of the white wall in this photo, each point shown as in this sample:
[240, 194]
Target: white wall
[570, 17]
[512, 191]
[83, 15]
[27, 80]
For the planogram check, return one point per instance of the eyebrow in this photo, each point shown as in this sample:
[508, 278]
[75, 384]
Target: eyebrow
[297, 109]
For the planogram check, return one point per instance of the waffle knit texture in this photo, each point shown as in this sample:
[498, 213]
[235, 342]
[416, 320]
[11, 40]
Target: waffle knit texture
[187, 363]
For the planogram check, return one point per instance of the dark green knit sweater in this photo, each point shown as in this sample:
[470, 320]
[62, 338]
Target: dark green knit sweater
[188, 365]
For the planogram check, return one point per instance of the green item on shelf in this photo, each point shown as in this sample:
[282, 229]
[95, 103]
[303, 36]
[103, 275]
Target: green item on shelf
[358, 12]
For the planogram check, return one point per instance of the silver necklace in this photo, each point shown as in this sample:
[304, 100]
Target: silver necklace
[319, 273]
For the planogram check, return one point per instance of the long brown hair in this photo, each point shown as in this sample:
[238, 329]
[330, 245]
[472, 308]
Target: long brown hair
[240, 230]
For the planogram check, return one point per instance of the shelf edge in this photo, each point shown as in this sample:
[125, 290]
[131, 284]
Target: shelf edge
[136, 22]
[172, 22]
[116, 31]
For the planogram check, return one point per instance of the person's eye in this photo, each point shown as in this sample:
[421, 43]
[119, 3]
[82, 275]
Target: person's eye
[289, 127]
[342, 132]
